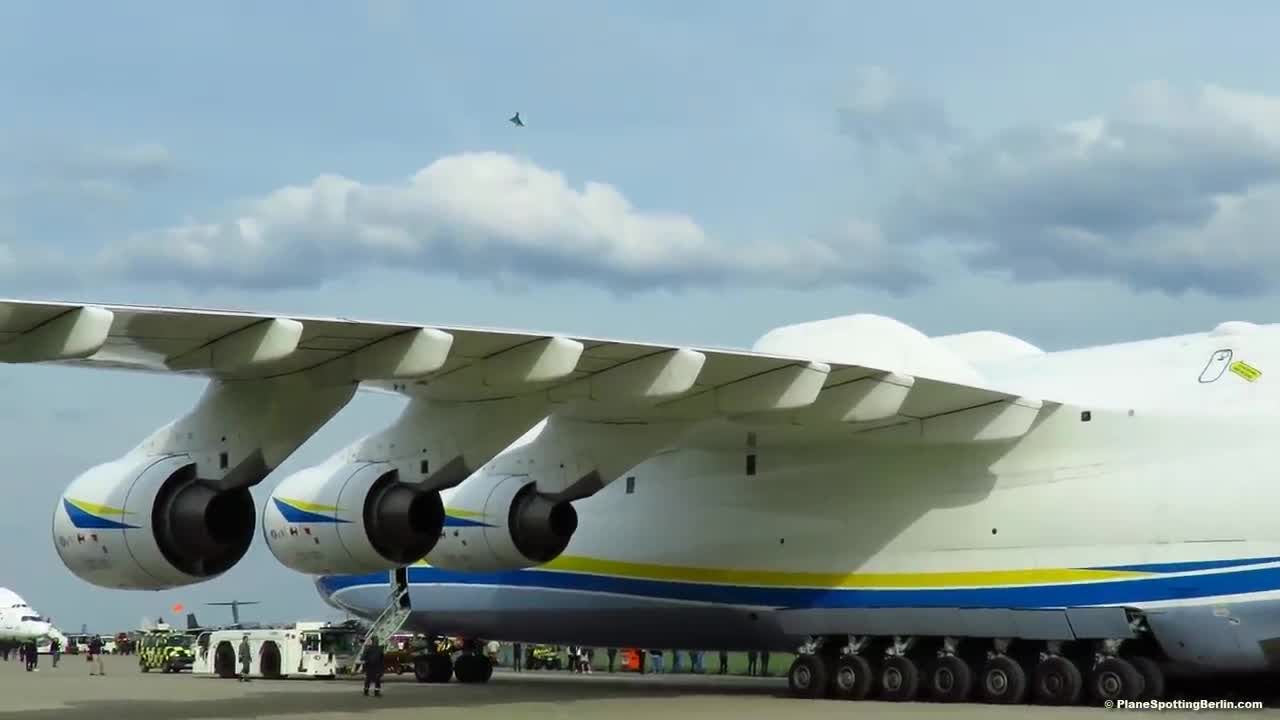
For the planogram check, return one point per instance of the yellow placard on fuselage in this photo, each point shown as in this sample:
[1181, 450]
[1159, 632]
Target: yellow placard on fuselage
[1245, 370]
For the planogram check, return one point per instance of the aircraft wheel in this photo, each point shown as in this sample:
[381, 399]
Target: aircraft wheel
[949, 679]
[421, 670]
[1152, 677]
[852, 678]
[899, 679]
[1115, 678]
[1002, 681]
[464, 669]
[473, 669]
[439, 668]
[807, 677]
[1057, 681]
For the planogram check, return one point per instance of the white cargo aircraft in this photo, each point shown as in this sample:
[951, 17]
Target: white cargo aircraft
[18, 622]
[953, 517]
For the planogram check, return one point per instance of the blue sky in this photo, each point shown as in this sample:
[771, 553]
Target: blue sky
[690, 172]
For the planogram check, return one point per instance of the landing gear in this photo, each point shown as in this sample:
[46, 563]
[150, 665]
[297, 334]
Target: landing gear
[1002, 681]
[852, 678]
[949, 679]
[1057, 681]
[433, 668]
[899, 679]
[807, 677]
[1115, 678]
[996, 670]
[472, 669]
[1152, 677]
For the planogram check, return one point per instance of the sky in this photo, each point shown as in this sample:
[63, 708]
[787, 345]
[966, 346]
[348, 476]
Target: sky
[688, 173]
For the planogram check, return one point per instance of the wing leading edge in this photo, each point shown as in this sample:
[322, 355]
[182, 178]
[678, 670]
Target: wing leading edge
[588, 378]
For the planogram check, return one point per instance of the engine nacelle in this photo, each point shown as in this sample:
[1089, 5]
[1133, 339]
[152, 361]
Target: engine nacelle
[351, 518]
[502, 522]
[150, 523]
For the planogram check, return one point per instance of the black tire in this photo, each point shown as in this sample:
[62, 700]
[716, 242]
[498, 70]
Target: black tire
[1002, 681]
[1152, 677]
[466, 669]
[486, 670]
[852, 679]
[899, 679]
[949, 679]
[439, 668]
[421, 670]
[1057, 681]
[1115, 678]
[269, 665]
[224, 661]
[807, 677]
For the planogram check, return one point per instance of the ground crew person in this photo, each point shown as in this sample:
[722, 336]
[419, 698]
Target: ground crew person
[94, 657]
[55, 649]
[246, 658]
[373, 666]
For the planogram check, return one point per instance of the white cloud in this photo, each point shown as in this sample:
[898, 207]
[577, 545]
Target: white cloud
[879, 110]
[1170, 191]
[486, 215]
[41, 167]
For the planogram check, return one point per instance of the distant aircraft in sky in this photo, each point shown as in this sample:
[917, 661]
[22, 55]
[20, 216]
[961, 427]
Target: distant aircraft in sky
[515, 120]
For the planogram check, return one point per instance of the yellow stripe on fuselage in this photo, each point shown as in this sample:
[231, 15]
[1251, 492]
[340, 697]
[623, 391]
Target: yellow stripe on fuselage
[779, 578]
[463, 514]
[833, 581]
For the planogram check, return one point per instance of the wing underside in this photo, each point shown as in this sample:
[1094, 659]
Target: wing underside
[588, 378]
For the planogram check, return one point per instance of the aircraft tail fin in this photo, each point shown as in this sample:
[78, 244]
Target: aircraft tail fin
[192, 624]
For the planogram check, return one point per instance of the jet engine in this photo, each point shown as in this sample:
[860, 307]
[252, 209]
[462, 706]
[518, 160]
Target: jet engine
[150, 523]
[501, 522]
[351, 518]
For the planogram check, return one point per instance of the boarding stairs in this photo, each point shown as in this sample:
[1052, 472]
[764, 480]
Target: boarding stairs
[389, 622]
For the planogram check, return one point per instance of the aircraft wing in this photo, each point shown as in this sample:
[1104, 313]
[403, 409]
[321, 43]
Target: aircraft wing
[590, 378]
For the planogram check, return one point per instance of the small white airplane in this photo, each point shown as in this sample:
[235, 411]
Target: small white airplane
[19, 622]
[960, 517]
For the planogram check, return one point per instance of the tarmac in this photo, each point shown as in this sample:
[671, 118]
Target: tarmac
[124, 693]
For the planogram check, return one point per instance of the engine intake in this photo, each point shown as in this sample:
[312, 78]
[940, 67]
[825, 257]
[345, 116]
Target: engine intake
[202, 531]
[402, 521]
[517, 526]
[351, 518]
[151, 523]
[540, 527]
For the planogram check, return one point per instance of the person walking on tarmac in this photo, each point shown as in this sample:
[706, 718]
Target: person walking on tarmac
[94, 656]
[374, 664]
[245, 657]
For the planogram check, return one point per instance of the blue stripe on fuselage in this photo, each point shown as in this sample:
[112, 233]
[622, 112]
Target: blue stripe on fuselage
[1108, 592]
